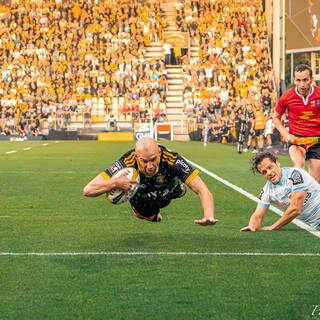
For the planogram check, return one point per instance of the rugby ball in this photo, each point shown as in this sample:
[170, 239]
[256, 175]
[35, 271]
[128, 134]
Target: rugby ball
[118, 196]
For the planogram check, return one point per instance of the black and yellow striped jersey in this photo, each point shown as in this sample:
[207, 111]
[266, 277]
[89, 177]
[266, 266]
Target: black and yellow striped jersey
[158, 188]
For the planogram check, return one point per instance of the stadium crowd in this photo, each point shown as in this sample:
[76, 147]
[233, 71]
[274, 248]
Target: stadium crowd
[59, 59]
[56, 59]
[232, 72]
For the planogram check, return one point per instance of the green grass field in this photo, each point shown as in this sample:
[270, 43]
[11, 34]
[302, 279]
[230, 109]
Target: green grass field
[43, 211]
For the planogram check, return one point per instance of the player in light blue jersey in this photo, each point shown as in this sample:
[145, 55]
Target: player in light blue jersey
[291, 188]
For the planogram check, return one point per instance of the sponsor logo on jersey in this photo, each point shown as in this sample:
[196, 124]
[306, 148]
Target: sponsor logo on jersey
[308, 196]
[160, 179]
[165, 192]
[183, 165]
[261, 193]
[296, 177]
[115, 167]
[307, 116]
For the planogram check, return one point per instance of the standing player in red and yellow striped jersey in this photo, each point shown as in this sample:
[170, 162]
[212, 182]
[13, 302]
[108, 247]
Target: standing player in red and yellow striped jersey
[164, 175]
[303, 105]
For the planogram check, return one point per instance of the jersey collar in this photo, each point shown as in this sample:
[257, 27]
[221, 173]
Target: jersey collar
[283, 177]
[305, 99]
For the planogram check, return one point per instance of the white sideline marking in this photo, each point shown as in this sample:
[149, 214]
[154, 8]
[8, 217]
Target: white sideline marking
[299, 223]
[30, 171]
[103, 253]
[28, 148]
[47, 172]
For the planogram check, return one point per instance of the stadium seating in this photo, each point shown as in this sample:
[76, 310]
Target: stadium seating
[75, 56]
[233, 67]
[79, 61]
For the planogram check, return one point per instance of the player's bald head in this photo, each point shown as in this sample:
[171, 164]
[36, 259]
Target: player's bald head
[146, 144]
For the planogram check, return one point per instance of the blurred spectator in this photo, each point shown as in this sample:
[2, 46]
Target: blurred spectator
[112, 124]
[162, 118]
[167, 53]
[269, 131]
[34, 130]
[259, 125]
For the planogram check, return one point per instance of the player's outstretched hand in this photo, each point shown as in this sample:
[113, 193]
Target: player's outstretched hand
[247, 228]
[206, 221]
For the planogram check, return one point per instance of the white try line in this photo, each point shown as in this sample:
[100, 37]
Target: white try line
[299, 223]
[13, 151]
[111, 253]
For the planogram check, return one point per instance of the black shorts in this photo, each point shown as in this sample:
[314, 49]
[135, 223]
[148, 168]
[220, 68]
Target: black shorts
[313, 152]
[252, 133]
[248, 128]
[259, 132]
[148, 208]
[148, 211]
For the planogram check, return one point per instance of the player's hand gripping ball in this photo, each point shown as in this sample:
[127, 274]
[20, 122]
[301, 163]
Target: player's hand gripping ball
[118, 196]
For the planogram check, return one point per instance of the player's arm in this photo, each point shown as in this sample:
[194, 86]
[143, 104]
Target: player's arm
[256, 219]
[206, 198]
[294, 209]
[102, 184]
[289, 138]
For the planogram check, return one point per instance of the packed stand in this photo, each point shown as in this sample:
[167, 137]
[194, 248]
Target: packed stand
[232, 70]
[57, 60]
